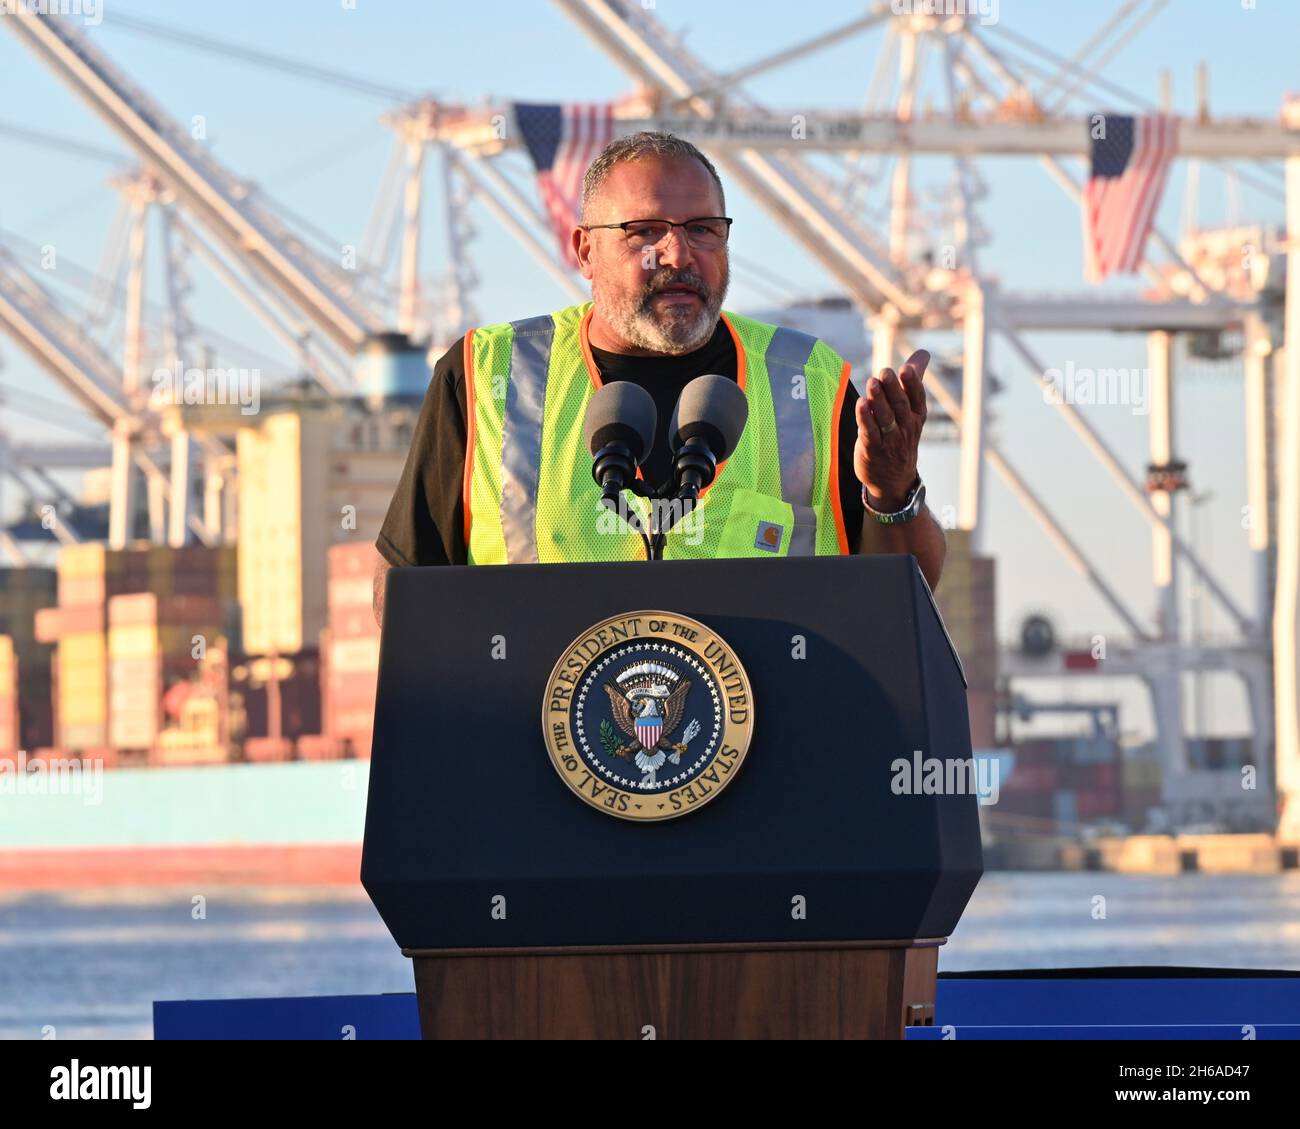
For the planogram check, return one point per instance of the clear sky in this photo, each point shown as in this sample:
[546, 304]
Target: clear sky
[322, 150]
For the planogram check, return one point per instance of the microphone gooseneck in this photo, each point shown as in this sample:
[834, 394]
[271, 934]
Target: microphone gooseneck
[619, 430]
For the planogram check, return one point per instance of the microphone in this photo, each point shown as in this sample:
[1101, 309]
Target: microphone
[619, 430]
[706, 426]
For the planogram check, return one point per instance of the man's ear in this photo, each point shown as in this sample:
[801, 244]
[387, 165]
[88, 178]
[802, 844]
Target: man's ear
[582, 249]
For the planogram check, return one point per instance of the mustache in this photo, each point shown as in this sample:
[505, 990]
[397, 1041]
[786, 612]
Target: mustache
[665, 279]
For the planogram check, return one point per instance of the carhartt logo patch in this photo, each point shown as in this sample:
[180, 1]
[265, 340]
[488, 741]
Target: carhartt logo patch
[768, 537]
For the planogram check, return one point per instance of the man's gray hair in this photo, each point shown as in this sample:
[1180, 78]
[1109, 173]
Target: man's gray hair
[634, 148]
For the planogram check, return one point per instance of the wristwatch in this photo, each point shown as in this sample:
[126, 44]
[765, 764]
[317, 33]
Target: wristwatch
[912, 507]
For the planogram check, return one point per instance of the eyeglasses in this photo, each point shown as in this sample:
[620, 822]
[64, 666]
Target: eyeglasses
[708, 233]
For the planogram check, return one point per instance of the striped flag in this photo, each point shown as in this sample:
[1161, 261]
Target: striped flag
[1130, 165]
[649, 730]
[563, 141]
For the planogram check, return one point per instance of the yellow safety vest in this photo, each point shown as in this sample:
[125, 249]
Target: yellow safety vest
[529, 493]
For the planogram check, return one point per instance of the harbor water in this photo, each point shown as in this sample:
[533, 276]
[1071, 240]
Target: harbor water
[89, 964]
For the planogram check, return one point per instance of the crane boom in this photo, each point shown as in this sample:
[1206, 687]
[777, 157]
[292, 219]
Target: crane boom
[224, 204]
[30, 315]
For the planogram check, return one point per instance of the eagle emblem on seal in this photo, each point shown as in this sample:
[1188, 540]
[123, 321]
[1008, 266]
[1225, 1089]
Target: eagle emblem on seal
[647, 700]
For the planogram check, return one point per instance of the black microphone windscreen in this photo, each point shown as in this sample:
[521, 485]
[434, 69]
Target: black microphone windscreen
[714, 408]
[621, 412]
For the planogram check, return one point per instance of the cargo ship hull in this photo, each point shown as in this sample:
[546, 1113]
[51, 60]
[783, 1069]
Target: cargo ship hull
[245, 824]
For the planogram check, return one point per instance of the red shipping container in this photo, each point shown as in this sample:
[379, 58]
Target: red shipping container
[267, 749]
[349, 704]
[351, 591]
[1096, 805]
[1080, 660]
[1037, 751]
[355, 656]
[352, 691]
[9, 732]
[318, 747]
[48, 625]
[165, 611]
[351, 622]
[359, 559]
[351, 722]
[1031, 778]
[81, 619]
[75, 590]
[1090, 777]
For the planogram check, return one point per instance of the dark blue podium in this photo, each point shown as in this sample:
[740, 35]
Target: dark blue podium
[808, 899]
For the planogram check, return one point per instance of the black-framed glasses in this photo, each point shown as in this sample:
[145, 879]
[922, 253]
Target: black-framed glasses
[707, 233]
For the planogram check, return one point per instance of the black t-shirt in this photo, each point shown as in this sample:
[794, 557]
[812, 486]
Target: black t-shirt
[425, 524]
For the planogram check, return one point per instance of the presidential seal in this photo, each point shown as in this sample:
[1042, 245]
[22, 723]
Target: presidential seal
[648, 715]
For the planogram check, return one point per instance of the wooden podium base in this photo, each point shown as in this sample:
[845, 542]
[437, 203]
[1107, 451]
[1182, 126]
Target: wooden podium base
[823, 990]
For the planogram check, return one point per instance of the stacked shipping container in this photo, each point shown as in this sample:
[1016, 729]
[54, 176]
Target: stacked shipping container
[198, 735]
[24, 593]
[88, 575]
[154, 642]
[102, 660]
[1031, 788]
[1078, 779]
[308, 478]
[297, 686]
[966, 599]
[91, 578]
[9, 744]
[350, 646]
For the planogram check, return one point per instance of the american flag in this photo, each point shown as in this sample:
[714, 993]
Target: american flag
[563, 141]
[1130, 165]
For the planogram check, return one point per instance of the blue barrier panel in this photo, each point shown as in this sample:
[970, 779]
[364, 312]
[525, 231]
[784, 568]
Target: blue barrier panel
[1010, 1007]
[308, 1017]
[1018, 1002]
[1225, 1031]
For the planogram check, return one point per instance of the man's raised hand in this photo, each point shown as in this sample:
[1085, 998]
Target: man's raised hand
[890, 418]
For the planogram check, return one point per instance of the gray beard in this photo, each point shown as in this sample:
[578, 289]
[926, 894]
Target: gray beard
[671, 334]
